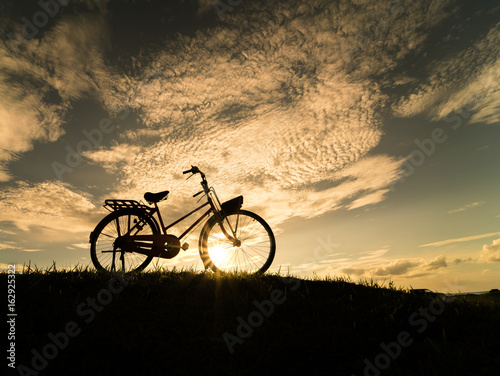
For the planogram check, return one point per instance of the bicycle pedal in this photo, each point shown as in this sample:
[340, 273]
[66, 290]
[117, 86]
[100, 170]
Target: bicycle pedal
[185, 246]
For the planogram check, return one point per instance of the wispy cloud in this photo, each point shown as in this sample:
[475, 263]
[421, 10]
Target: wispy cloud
[81, 245]
[8, 246]
[468, 206]
[454, 85]
[369, 199]
[373, 254]
[460, 240]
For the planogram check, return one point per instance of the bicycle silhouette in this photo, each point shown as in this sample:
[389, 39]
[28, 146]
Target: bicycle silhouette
[232, 240]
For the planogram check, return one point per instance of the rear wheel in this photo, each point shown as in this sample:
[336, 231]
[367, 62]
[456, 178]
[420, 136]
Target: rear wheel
[253, 251]
[104, 254]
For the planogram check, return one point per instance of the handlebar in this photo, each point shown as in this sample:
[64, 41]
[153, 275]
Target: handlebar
[193, 170]
[204, 183]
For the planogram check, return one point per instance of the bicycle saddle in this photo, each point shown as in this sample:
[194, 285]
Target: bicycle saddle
[155, 197]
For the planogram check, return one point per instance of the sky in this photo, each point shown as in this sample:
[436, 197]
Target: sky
[364, 132]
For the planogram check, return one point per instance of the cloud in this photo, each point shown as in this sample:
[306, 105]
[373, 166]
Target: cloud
[81, 245]
[357, 181]
[374, 264]
[460, 261]
[8, 232]
[468, 206]
[398, 267]
[465, 85]
[373, 254]
[353, 271]
[331, 263]
[437, 263]
[206, 6]
[24, 120]
[52, 205]
[369, 199]
[490, 253]
[460, 240]
[149, 172]
[403, 268]
[8, 246]
[113, 158]
[284, 112]
[41, 78]
[5, 267]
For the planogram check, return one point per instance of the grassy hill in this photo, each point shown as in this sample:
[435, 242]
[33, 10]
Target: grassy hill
[185, 323]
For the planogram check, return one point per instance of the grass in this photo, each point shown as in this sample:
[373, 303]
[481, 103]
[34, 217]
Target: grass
[178, 322]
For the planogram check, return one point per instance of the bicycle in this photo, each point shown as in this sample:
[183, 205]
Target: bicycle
[232, 239]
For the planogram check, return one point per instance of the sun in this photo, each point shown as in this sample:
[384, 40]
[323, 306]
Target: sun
[222, 255]
[225, 255]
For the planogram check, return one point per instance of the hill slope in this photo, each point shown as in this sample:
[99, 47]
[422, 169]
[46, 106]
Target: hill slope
[183, 323]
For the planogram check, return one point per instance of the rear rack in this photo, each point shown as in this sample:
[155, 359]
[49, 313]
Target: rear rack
[113, 205]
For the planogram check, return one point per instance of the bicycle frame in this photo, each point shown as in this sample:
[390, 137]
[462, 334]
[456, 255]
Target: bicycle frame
[164, 228]
[217, 213]
[154, 245]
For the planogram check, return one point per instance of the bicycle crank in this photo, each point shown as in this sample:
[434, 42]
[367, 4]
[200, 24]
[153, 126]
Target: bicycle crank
[164, 246]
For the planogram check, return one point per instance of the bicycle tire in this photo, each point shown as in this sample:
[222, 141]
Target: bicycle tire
[254, 255]
[106, 232]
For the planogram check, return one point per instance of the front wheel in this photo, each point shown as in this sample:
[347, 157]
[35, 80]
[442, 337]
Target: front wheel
[252, 253]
